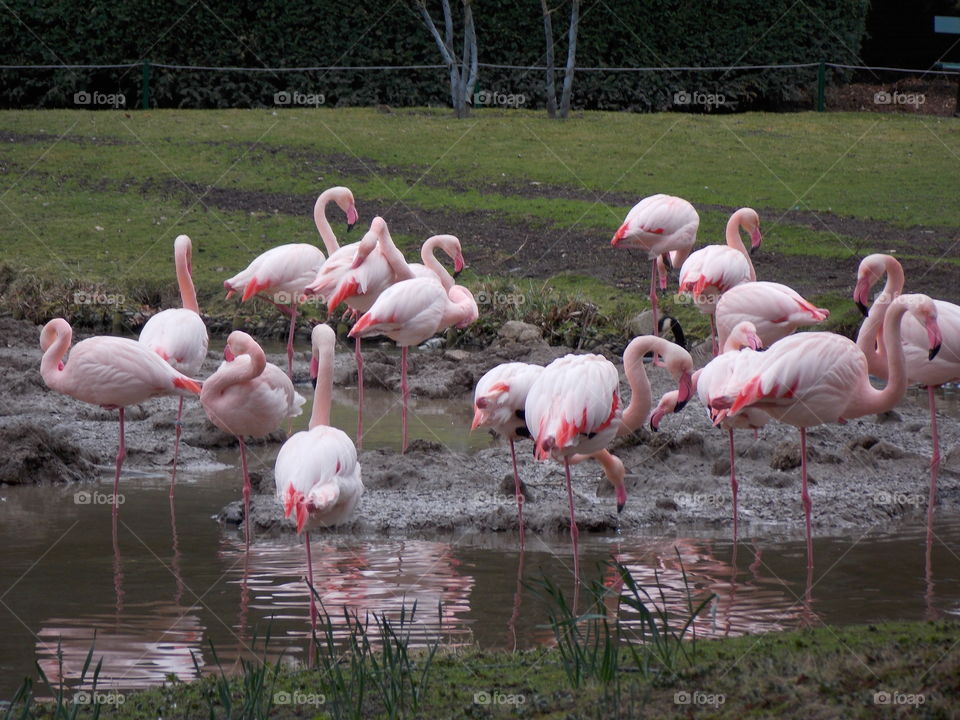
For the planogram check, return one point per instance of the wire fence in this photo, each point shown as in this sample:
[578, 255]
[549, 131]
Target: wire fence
[814, 85]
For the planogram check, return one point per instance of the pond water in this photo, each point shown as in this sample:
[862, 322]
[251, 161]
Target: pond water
[152, 593]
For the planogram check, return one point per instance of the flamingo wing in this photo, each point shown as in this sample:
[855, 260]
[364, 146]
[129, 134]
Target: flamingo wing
[775, 309]
[285, 268]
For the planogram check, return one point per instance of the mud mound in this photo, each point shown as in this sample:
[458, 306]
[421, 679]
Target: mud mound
[33, 455]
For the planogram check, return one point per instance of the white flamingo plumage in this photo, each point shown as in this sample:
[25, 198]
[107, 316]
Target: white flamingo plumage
[179, 335]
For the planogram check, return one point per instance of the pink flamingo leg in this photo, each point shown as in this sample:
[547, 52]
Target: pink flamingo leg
[713, 336]
[935, 460]
[804, 494]
[654, 273]
[404, 394]
[516, 490]
[246, 490]
[121, 456]
[734, 487]
[176, 447]
[293, 328]
[664, 274]
[574, 530]
[313, 602]
[359, 358]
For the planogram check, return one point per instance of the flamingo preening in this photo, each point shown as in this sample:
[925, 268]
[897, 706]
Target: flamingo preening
[179, 335]
[111, 372]
[317, 474]
[286, 270]
[815, 377]
[248, 397]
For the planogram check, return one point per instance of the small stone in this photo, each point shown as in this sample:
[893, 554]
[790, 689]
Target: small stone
[888, 417]
[520, 332]
[786, 456]
[780, 480]
[667, 504]
[458, 355]
[887, 451]
[864, 441]
[640, 324]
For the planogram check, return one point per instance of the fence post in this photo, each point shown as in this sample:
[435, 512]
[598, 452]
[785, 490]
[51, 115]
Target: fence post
[145, 90]
[821, 86]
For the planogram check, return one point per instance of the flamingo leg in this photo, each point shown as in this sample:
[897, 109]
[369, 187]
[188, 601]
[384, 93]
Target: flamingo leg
[313, 602]
[935, 460]
[293, 328]
[359, 358]
[654, 272]
[516, 490]
[121, 456]
[404, 395]
[176, 446]
[804, 494]
[246, 490]
[734, 486]
[713, 335]
[574, 531]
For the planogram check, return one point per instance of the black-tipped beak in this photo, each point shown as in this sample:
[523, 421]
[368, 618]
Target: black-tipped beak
[863, 308]
[753, 249]
[680, 406]
[654, 426]
[666, 261]
[456, 273]
[933, 351]
[350, 226]
[313, 382]
[620, 507]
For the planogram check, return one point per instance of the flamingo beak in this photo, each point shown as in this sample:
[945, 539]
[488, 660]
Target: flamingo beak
[621, 498]
[685, 388]
[352, 217]
[755, 239]
[619, 235]
[228, 354]
[655, 417]
[314, 371]
[934, 336]
[754, 342]
[477, 418]
[458, 264]
[861, 294]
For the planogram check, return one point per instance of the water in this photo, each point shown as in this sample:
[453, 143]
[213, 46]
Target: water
[152, 596]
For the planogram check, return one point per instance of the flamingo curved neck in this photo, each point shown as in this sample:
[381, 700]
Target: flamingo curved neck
[394, 257]
[641, 399]
[459, 308]
[50, 366]
[869, 339]
[238, 371]
[734, 224]
[429, 258]
[188, 293]
[871, 400]
[323, 392]
[323, 225]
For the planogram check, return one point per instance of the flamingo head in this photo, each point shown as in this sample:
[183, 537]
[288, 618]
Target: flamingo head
[684, 390]
[228, 353]
[369, 241]
[924, 311]
[620, 234]
[184, 248]
[750, 221]
[344, 200]
[743, 335]
[870, 271]
[934, 337]
[667, 405]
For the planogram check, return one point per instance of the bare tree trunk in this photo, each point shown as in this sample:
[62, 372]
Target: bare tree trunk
[469, 73]
[571, 59]
[551, 86]
[462, 79]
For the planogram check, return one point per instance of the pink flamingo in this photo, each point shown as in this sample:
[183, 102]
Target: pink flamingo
[108, 371]
[573, 409]
[286, 270]
[817, 377]
[920, 370]
[317, 473]
[711, 271]
[716, 374]
[775, 310]
[178, 335]
[412, 311]
[248, 397]
[661, 225]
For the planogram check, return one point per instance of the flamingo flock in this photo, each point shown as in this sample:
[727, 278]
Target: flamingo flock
[571, 409]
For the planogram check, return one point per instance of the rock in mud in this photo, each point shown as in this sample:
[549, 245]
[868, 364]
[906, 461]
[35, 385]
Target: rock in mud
[520, 332]
[33, 455]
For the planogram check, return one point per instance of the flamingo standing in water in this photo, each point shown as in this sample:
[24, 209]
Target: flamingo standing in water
[178, 335]
[573, 409]
[317, 473]
[716, 374]
[248, 397]
[108, 371]
[711, 271]
[775, 311]
[816, 377]
[286, 270]
[942, 369]
[666, 227]
[412, 311]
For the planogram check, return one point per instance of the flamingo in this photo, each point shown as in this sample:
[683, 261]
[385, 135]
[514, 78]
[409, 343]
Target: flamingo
[248, 397]
[661, 225]
[775, 310]
[317, 473]
[412, 311]
[108, 371]
[716, 374]
[178, 335]
[711, 271]
[816, 377]
[287, 269]
[573, 408]
[944, 368]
